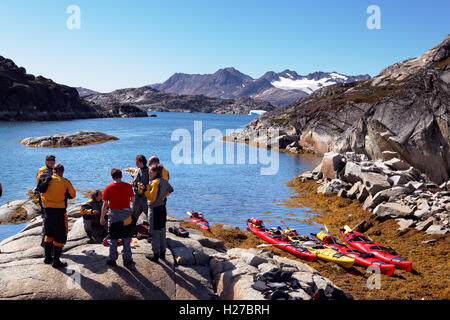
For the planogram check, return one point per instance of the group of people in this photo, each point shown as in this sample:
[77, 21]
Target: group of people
[111, 214]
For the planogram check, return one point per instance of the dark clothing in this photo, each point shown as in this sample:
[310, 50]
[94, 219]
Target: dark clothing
[95, 231]
[159, 217]
[117, 230]
[55, 226]
[141, 176]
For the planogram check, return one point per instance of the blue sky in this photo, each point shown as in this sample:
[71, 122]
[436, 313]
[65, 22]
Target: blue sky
[133, 43]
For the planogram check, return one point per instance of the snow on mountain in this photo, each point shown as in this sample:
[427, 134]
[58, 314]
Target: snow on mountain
[307, 84]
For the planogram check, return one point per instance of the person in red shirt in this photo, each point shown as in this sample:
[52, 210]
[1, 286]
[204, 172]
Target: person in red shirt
[117, 197]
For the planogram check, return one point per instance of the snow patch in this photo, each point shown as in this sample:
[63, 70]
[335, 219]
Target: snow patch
[304, 84]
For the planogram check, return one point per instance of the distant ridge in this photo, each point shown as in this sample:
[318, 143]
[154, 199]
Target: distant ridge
[280, 89]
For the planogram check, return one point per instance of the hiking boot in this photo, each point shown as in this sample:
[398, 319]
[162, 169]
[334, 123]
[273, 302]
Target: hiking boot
[48, 260]
[56, 254]
[48, 247]
[58, 264]
[152, 257]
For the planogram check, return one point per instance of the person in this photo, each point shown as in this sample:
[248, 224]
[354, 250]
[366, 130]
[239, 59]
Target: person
[154, 160]
[141, 177]
[157, 194]
[49, 165]
[54, 202]
[91, 211]
[1, 190]
[45, 171]
[117, 197]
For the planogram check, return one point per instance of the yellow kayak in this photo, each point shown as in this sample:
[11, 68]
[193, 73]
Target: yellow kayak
[322, 252]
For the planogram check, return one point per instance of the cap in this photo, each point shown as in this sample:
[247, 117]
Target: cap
[49, 157]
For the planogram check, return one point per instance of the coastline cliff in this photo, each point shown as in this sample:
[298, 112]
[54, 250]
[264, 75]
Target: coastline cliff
[404, 111]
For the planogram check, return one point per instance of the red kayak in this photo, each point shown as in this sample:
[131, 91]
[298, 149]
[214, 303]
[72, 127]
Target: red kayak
[279, 240]
[198, 219]
[360, 242]
[363, 259]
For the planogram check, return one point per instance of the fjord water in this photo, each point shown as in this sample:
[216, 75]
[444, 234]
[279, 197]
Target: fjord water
[225, 193]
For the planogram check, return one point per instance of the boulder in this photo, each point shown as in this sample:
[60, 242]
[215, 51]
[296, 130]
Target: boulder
[404, 223]
[424, 225]
[68, 140]
[363, 193]
[332, 186]
[392, 210]
[19, 210]
[437, 229]
[397, 164]
[354, 190]
[352, 172]
[332, 164]
[375, 182]
[398, 180]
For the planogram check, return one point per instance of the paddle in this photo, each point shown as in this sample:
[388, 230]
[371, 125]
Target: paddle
[334, 238]
[347, 229]
[272, 244]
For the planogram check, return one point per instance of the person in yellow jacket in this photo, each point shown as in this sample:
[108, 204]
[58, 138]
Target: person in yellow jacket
[47, 170]
[157, 193]
[54, 202]
[154, 160]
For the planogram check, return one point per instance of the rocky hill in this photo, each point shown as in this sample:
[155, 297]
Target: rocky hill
[404, 111]
[279, 89]
[24, 97]
[154, 100]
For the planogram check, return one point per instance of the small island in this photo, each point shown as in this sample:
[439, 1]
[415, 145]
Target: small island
[81, 138]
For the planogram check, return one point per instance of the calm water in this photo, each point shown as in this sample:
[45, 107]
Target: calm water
[228, 193]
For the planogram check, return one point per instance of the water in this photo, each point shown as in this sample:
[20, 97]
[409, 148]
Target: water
[227, 193]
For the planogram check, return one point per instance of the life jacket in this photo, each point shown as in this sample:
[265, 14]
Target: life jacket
[44, 179]
[255, 221]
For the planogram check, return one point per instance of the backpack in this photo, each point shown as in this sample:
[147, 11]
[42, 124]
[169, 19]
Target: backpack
[44, 180]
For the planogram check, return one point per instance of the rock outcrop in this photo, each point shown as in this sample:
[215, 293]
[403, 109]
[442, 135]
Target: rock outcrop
[390, 189]
[402, 113]
[24, 97]
[81, 138]
[198, 268]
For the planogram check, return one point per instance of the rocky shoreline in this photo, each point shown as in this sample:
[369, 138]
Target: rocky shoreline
[198, 267]
[390, 189]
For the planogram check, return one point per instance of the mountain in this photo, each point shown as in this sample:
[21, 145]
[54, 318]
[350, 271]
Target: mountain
[280, 89]
[24, 97]
[155, 100]
[404, 111]
[85, 92]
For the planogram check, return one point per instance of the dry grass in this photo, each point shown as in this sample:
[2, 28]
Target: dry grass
[429, 279]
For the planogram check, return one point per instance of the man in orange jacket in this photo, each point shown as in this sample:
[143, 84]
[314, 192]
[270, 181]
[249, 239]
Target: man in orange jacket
[54, 202]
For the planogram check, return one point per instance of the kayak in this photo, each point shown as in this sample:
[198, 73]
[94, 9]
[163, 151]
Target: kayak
[320, 250]
[361, 258]
[198, 219]
[360, 242]
[279, 240]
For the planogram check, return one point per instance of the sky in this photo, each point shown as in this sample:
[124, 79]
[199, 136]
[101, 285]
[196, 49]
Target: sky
[124, 44]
